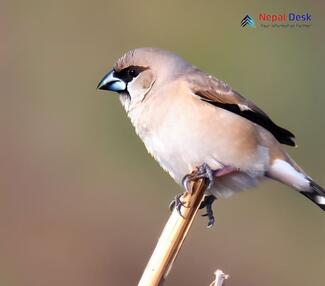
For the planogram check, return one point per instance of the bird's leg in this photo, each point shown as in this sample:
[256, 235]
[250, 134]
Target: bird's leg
[177, 203]
[204, 171]
[208, 200]
[207, 203]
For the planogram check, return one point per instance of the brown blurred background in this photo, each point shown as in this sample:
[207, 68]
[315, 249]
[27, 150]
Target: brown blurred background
[81, 201]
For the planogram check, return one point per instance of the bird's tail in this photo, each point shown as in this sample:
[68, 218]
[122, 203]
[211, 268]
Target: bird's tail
[316, 194]
[289, 173]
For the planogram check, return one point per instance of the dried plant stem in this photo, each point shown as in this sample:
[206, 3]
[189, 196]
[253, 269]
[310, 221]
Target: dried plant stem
[172, 237]
[220, 278]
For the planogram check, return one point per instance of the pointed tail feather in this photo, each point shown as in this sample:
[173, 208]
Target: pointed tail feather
[316, 194]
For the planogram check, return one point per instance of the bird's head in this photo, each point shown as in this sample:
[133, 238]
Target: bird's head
[138, 71]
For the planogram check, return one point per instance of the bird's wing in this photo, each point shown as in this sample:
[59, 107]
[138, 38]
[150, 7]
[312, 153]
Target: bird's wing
[219, 94]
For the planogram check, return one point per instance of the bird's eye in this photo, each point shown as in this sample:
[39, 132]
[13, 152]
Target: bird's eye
[133, 72]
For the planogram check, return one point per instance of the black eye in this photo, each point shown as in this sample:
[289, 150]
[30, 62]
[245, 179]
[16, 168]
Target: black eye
[133, 72]
[129, 73]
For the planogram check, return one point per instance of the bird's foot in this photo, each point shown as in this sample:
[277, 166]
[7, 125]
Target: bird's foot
[207, 203]
[204, 171]
[178, 204]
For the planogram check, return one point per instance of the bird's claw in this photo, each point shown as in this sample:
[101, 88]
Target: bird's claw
[207, 203]
[178, 204]
[204, 171]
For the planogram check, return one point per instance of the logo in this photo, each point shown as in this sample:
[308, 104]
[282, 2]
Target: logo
[248, 21]
[284, 17]
[278, 20]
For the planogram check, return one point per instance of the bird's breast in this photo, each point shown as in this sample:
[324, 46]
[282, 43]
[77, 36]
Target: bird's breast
[183, 133]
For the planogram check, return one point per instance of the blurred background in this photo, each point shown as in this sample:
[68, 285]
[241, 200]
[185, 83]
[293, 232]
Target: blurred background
[81, 201]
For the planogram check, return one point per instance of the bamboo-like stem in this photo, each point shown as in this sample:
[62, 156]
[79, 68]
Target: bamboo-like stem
[173, 236]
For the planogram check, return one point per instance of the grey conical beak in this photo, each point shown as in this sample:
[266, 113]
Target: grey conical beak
[111, 83]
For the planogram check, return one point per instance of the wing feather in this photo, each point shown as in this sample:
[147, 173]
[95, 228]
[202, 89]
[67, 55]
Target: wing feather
[219, 94]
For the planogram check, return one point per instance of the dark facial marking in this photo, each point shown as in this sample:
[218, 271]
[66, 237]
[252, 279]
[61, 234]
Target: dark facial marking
[127, 74]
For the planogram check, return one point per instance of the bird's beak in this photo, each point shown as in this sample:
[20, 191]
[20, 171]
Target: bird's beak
[111, 83]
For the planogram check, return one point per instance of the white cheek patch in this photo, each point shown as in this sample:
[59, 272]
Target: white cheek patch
[138, 88]
[131, 87]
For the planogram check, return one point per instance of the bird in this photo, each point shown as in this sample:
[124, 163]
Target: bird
[191, 121]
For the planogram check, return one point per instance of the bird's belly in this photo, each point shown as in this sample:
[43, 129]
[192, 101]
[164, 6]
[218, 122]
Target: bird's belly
[183, 140]
[180, 150]
[180, 158]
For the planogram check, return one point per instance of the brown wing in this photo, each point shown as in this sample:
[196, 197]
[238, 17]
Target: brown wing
[219, 94]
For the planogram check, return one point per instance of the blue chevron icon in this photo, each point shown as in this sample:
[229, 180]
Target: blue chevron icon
[248, 21]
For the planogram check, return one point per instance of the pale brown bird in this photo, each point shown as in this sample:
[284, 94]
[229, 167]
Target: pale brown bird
[188, 119]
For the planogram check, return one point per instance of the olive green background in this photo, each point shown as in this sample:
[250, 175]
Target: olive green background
[81, 201]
